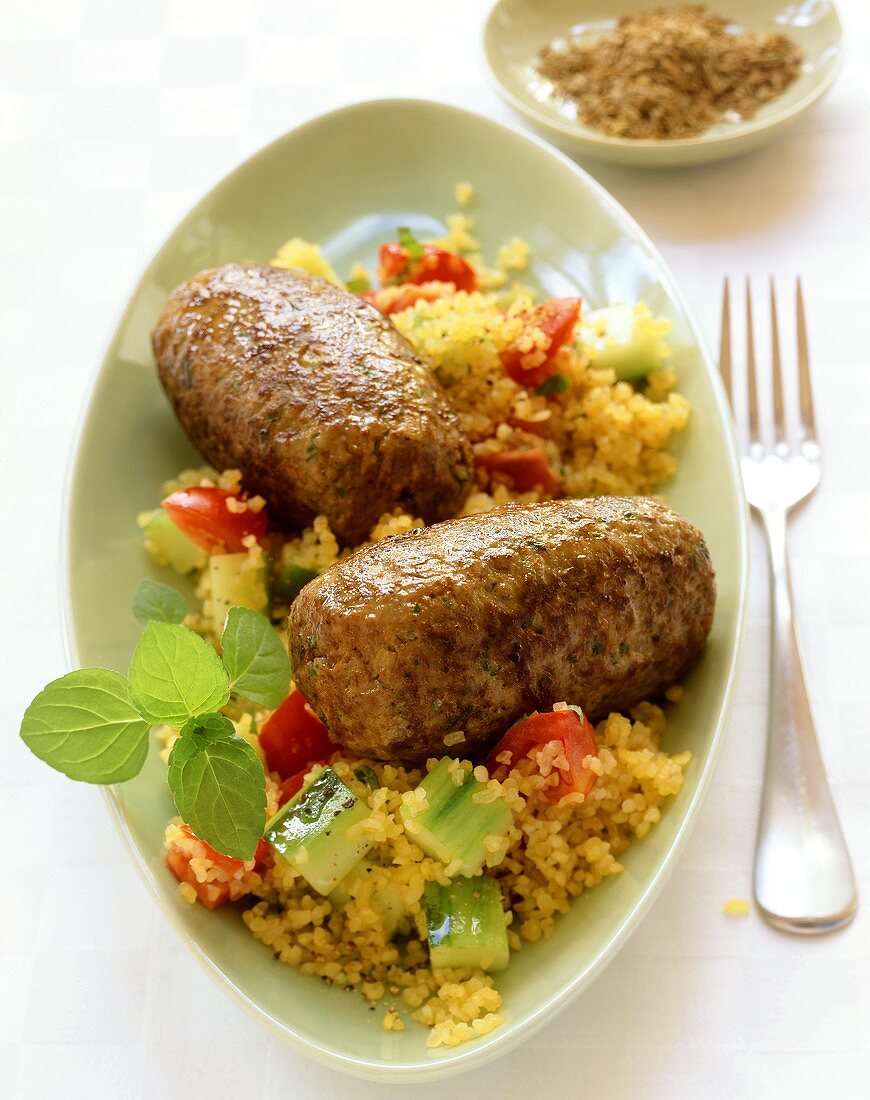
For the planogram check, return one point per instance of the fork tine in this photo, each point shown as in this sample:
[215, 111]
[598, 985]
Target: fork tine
[805, 388]
[776, 369]
[751, 383]
[725, 341]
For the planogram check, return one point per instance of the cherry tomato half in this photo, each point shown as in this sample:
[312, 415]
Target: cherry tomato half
[201, 512]
[556, 319]
[524, 469]
[294, 738]
[435, 265]
[573, 730]
[394, 299]
[210, 894]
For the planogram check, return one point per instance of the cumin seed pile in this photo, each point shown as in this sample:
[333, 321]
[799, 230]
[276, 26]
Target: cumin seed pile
[669, 73]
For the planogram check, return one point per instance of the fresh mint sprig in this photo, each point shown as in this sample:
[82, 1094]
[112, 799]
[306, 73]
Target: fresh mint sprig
[155, 602]
[93, 724]
[255, 660]
[175, 674]
[86, 726]
[216, 780]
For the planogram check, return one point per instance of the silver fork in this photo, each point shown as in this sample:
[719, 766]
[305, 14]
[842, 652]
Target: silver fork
[803, 875]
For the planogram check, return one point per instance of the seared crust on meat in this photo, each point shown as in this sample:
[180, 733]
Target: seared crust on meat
[471, 624]
[314, 395]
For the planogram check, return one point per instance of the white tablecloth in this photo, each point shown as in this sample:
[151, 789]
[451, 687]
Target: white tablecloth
[115, 118]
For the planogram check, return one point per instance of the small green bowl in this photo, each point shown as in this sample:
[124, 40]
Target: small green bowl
[517, 29]
[348, 180]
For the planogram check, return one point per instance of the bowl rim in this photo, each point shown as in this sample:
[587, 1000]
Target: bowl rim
[586, 135]
[469, 1056]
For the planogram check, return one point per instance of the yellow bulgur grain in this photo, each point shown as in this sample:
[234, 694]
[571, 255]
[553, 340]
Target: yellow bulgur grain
[187, 892]
[736, 907]
[464, 194]
[394, 523]
[360, 273]
[514, 256]
[458, 770]
[315, 549]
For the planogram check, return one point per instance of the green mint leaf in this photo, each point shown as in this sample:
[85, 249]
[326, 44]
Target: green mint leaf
[358, 286]
[155, 602]
[218, 785]
[555, 384]
[174, 675]
[257, 663]
[410, 243]
[85, 726]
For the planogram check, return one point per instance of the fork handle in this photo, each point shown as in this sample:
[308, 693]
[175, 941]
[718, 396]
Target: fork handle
[803, 875]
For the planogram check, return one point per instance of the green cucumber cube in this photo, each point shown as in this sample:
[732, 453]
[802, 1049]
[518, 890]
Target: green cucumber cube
[466, 924]
[310, 832]
[627, 340]
[454, 826]
[170, 546]
[388, 897]
[235, 585]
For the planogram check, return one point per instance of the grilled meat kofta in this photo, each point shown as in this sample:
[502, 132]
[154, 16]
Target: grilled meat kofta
[314, 395]
[471, 624]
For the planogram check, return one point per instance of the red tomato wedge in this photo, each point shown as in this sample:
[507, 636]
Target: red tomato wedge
[524, 469]
[435, 265]
[222, 862]
[392, 261]
[439, 265]
[210, 894]
[556, 319]
[576, 735]
[294, 738]
[201, 512]
[388, 301]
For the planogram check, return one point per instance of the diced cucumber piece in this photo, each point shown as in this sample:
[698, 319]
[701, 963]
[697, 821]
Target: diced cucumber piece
[455, 826]
[466, 924]
[291, 580]
[627, 340]
[387, 897]
[310, 832]
[170, 545]
[392, 908]
[235, 584]
[339, 895]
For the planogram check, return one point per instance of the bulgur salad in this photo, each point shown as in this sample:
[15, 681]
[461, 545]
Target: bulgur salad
[407, 882]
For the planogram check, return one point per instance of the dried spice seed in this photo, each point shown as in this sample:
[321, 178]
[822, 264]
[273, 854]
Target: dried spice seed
[669, 73]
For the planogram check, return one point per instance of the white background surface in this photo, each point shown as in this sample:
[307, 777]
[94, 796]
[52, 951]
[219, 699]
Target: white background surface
[114, 118]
